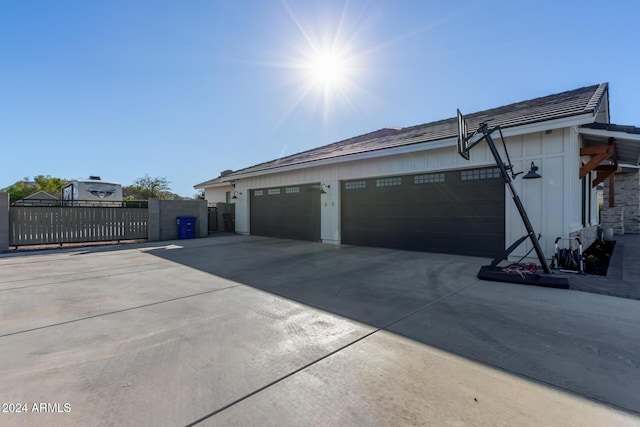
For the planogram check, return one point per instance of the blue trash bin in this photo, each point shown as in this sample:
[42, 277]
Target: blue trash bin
[186, 227]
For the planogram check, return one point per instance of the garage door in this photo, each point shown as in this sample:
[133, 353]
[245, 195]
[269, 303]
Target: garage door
[288, 212]
[457, 212]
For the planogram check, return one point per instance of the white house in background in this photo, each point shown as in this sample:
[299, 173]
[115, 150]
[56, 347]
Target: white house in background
[409, 189]
[218, 190]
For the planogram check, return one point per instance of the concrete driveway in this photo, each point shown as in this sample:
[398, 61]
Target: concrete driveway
[239, 330]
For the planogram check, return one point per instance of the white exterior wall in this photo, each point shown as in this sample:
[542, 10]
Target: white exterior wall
[218, 194]
[552, 203]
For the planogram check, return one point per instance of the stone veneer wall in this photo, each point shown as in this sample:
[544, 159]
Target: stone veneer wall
[625, 216]
[587, 236]
[613, 218]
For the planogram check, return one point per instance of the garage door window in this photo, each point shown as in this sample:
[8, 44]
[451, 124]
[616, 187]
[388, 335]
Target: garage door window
[258, 192]
[353, 185]
[430, 178]
[273, 191]
[389, 182]
[487, 173]
[290, 190]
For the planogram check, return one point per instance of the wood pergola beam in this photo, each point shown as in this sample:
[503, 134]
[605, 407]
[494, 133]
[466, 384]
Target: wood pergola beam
[598, 149]
[612, 191]
[604, 171]
[600, 154]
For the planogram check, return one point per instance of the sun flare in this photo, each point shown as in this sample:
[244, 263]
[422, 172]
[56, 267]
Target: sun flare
[327, 59]
[327, 69]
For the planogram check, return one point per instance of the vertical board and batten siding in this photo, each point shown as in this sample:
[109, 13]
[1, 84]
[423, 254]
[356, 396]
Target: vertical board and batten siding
[552, 203]
[46, 225]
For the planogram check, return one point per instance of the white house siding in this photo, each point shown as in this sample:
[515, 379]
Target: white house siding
[546, 200]
[218, 194]
[552, 203]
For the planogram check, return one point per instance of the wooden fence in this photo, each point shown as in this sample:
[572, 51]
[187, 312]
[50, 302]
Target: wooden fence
[34, 225]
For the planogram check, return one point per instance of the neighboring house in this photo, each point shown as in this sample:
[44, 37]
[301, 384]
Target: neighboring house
[218, 190]
[39, 198]
[409, 189]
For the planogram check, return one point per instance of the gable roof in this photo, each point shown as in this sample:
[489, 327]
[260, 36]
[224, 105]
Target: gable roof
[39, 198]
[585, 101]
[42, 195]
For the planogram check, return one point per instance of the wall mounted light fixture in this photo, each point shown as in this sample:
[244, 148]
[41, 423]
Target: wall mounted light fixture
[532, 174]
[235, 195]
[322, 187]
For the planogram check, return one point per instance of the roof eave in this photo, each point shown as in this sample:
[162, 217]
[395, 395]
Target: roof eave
[208, 184]
[422, 146]
[604, 133]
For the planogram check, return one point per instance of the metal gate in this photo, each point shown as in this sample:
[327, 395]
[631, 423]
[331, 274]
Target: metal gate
[36, 225]
[213, 219]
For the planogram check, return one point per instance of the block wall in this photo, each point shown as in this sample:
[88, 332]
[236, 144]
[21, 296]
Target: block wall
[163, 215]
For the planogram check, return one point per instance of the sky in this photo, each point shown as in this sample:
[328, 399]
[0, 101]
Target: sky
[186, 89]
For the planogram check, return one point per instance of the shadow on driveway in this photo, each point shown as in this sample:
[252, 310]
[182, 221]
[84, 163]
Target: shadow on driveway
[371, 285]
[582, 343]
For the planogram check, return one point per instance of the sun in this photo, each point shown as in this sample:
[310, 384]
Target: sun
[328, 69]
[326, 58]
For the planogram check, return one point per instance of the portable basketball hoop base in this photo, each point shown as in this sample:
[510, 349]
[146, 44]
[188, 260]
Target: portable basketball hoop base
[492, 272]
[539, 278]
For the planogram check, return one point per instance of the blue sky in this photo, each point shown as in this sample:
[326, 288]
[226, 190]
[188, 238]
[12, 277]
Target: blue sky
[186, 89]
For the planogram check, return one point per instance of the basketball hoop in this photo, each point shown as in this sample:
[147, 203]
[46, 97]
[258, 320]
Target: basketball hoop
[492, 272]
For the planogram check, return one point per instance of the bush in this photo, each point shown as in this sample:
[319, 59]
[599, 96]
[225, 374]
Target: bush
[598, 256]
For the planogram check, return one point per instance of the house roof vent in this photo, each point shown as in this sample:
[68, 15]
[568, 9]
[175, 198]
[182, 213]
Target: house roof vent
[95, 178]
[226, 172]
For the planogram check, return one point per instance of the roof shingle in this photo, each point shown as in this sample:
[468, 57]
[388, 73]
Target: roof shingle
[566, 104]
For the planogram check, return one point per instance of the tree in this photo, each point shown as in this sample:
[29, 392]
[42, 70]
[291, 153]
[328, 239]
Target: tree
[49, 184]
[153, 188]
[26, 187]
[199, 194]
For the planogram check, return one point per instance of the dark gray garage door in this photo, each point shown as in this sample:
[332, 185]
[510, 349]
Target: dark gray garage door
[288, 212]
[458, 212]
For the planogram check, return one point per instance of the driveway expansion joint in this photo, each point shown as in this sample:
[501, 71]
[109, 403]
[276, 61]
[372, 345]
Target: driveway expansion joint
[326, 356]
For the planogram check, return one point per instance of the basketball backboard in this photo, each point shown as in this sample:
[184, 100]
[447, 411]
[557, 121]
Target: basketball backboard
[463, 135]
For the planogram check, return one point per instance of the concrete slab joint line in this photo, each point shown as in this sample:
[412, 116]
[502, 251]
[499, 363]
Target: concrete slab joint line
[217, 411]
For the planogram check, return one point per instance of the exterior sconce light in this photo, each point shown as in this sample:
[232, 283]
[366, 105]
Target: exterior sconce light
[322, 187]
[235, 195]
[532, 174]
